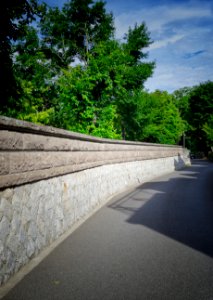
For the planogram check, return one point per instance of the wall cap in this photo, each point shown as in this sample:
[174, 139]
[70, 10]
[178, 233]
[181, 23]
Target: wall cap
[11, 124]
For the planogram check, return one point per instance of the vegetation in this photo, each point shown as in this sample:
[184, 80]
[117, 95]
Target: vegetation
[196, 107]
[64, 67]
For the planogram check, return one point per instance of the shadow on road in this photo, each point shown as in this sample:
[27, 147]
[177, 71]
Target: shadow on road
[180, 207]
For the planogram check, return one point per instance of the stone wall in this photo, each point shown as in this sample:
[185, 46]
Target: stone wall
[51, 178]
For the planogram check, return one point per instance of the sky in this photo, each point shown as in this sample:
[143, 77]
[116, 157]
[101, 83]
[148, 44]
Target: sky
[182, 35]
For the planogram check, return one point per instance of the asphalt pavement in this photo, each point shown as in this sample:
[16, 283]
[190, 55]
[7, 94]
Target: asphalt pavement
[153, 242]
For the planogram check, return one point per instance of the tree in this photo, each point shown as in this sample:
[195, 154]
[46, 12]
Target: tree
[181, 100]
[196, 108]
[108, 80]
[14, 16]
[201, 111]
[155, 118]
[138, 71]
[86, 97]
[138, 38]
[87, 94]
[34, 76]
[208, 129]
[73, 31]
[135, 73]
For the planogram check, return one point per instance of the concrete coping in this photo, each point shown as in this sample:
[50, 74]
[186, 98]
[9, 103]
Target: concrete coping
[11, 124]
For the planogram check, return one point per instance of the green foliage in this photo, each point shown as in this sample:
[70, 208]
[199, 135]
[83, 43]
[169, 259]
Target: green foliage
[74, 30]
[181, 100]
[105, 123]
[77, 110]
[74, 108]
[201, 104]
[14, 17]
[196, 107]
[43, 117]
[155, 118]
[201, 108]
[102, 84]
[137, 39]
[33, 76]
[208, 129]
[69, 71]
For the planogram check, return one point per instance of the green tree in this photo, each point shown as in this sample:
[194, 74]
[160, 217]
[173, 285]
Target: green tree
[14, 16]
[201, 111]
[137, 39]
[73, 31]
[208, 129]
[181, 100]
[196, 108]
[96, 96]
[103, 85]
[86, 97]
[155, 119]
[34, 76]
[138, 71]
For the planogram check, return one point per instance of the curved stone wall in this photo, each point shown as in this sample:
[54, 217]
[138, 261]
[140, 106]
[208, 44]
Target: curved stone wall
[29, 152]
[51, 178]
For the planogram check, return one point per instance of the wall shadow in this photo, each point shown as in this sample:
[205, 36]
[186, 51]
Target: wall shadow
[179, 162]
[180, 207]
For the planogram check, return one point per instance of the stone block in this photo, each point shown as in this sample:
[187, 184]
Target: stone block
[1, 249]
[6, 208]
[16, 222]
[30, 248]
[13, 243]
[4, 229]
[26, 216]
[32, 231]
[10, 140]
[4, 163]
[8, 194]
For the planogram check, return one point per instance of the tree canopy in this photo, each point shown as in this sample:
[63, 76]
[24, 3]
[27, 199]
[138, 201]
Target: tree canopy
[196, 108]
[64, 67]
[74, 30]
[14, 17]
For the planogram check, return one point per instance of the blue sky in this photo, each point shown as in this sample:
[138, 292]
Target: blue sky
[182, 34]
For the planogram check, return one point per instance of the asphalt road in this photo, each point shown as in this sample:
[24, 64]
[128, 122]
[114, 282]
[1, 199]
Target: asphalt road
[155, 242]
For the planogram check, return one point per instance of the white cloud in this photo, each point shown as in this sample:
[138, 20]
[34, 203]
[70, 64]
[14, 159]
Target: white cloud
[165, 42]
[177, 30]
[157, 17]
[173, 77]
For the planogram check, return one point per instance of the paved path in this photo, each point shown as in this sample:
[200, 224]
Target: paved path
[155, 242]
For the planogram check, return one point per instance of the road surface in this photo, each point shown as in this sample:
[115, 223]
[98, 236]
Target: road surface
[153, 242]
